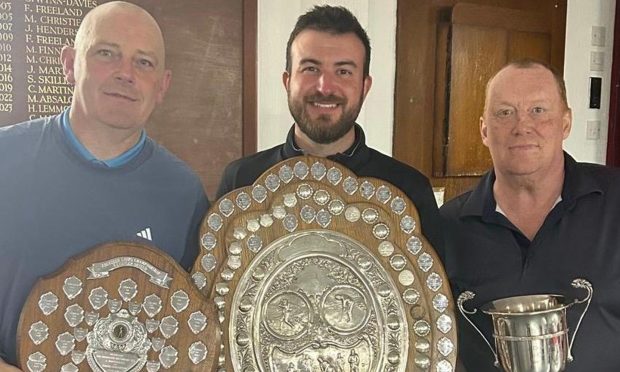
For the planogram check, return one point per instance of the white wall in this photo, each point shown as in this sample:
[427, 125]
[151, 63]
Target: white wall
[581, 16]
[276, 19]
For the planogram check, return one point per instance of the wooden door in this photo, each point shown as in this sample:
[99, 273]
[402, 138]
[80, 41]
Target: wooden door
[446, 52]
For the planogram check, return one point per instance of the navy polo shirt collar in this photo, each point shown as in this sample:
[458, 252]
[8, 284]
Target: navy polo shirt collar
[481, 201]
[353, 158]
[115, 162]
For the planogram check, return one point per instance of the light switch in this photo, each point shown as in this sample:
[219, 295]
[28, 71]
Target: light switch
[593, 129]
[597, 61]
[598, 36]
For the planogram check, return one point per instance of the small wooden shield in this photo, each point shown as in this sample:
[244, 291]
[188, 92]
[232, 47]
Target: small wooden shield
[118, 307]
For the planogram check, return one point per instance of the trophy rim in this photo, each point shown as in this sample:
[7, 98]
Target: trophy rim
[491, 309]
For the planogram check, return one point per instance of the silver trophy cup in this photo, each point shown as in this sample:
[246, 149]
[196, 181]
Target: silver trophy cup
[530, 332]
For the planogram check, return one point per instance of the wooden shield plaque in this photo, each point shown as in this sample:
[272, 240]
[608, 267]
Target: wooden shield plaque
[118, 307]
[315, 269]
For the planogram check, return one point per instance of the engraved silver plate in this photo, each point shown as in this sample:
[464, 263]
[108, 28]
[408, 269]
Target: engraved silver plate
[243, 200]
[323, 218]
[381, 231]
[37, 362]
[98, 298]
[169, 326]
[305, 191]
[152, 305]
[91, 318]
[234, 262]
[386, 249]
[239, 233]
[407, 224]
[334, 176]
[289, 200]
[445, 346]
[214, 221]
[179, 301]
[414, 245]
[350, 185]
[321, 197]
[444, 366]
[434, 282]
[226, 207]
[421, 328]
[318, 299]
[440, 302]
[398, 205]
[77, 356]
[259, 193]
[406, 277]
[255, 243]
[444, 323]
[352, 214]
[253, 225]
[398, 262]
[65, 343]
[197, 322]
[72, 287]
[290, 222]
[411, 296]
[114, 305]
[266, 220]
[48, 303]
[200, 280]
[300, 169]
[102, 269]
[384, 194]
[128, 289]
[197, 352]
[151, 325]
[367, 189]
[152, 366]
[158, 343]
[38, 332]
[208, 262]
[168, 356]
[425, 261]
[80, 333]
[279, 211]
[208, 241]
[74, 315]
[336, 207]
[370, 215]
[286, 173]
[118, 342]
[307, 214]
[134, 308]
[69, 367]
[318, 171]
[272, 182]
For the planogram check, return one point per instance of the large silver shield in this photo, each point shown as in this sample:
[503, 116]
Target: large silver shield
[314, 269]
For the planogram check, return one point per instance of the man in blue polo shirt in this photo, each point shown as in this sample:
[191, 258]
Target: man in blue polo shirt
[90, 174]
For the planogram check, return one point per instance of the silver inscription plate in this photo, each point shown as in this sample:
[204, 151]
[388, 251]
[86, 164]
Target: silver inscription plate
[48, 303]
[65, 343]
[197, 352]
[152, 305]
[168, 356]
[37, 362]
[72, 287]
[98, 298]
[128, 289]
[169, 326]
[197, 322]
[74, 315]
[38, 332]
[179, 301]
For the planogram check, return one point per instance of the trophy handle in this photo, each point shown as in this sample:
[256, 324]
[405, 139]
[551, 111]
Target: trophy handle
[466, 296]
[580, 283]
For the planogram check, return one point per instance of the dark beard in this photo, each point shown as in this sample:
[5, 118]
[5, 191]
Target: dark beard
[321, 130]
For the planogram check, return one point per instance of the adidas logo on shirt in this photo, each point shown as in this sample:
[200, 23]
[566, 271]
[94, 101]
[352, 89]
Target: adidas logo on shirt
[145, 234]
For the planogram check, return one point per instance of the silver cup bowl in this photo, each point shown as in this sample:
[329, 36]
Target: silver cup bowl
[530, 332]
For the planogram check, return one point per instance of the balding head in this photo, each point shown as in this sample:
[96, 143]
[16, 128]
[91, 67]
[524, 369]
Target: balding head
[101, 17]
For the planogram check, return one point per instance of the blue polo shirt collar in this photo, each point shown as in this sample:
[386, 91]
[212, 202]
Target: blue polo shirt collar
[115, 162]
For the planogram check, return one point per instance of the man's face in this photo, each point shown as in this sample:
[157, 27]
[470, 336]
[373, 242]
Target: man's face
[118, 70]
[525, 122]
[326, 86]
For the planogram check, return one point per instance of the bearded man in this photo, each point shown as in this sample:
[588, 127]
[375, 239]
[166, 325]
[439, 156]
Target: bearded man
[326, 80]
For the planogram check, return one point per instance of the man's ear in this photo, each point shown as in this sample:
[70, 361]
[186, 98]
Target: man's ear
[367, 85]
[285, 79]
[567, 122]
[483, 131]
[67, 58]
[165, 84]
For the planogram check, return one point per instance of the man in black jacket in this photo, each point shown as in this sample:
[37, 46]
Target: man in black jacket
[326, 80]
